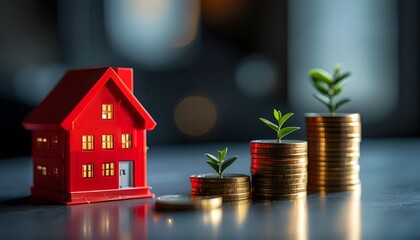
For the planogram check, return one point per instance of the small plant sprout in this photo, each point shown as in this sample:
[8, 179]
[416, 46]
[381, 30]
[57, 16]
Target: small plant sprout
[281, 132]
[329, 87]
[219, 164]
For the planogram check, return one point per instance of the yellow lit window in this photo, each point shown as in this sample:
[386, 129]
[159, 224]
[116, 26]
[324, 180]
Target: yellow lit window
[41, 142]
[42, 169]
[107, 111]
[54, 142]
[126, 140]
[87, 170]
[87, 142]
[107, 141]
[108, 169]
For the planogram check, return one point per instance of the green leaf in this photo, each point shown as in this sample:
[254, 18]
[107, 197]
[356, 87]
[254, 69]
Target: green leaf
[228, 162]
[212, 157]
[337, 91]
[284, 118]
[269, 124]
[319, 86]
[337, 69]
[321, 75]
[341, 77]
[341, 102]
[287, 130]
[277, 114]
[223, 153]
[213, 165]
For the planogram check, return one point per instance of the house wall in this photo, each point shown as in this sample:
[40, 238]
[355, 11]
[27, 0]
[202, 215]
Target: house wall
[90, 122]
[48, 159]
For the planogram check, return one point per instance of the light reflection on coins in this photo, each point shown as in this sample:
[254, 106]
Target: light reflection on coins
[231, 187]
[278, 170]
[333, 151]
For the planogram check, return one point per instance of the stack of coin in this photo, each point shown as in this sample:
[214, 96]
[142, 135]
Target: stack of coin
[333, 151]
[231, 186]
[278, 169]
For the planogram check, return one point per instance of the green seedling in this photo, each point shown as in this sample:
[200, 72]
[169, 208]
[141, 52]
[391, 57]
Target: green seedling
[281, 132]
[219, 164]
[329, 87]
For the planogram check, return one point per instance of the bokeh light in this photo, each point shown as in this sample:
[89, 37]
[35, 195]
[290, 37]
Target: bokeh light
[195, 115]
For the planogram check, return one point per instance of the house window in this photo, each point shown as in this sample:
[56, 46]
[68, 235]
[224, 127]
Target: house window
[126, 140]
[108, 169]
[87, 170]
[107, 141]
[55, 172]
[54, 142]
[42, 169]
[107, 111]
[87, 142]
[41, 142]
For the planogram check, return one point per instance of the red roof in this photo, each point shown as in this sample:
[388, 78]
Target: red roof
[74, 91]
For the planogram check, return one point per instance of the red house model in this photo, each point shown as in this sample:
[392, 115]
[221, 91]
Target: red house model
[89, 139]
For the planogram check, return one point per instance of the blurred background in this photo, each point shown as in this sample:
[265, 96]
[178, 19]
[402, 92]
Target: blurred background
[207, 70]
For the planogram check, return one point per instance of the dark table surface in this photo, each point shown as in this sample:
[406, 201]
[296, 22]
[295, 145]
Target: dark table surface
[386, 207]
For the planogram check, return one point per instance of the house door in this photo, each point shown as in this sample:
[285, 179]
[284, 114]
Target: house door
[126, 174]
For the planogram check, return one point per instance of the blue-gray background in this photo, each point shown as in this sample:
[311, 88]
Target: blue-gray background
[206, 70]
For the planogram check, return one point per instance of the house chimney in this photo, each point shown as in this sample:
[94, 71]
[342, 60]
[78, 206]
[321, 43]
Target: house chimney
[126, 74]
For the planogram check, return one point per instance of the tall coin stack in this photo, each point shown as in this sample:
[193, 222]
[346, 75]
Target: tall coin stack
[232, 187]
[278, 169]
[333, 151]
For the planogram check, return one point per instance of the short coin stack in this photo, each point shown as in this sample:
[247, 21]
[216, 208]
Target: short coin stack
[232, 187]
[333, 152]
[278, 169]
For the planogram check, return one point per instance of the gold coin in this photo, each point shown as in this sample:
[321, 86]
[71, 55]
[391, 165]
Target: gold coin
[310, 124]
[218, 191]
[216, 185]
[283, 144]
[261, 189]
[279, 185]
[278, 158]
[343, 154]
[231, 197]
[278, 165]
[316, 130]
[262, 181]
[214, 178]
[315, 144]
[333, 183]
[322, 177]
[333, 150]
[337, 117]
[333, 189]
[278, 152]
[183, 202]
[278, 176]
[339, 164]
[278, 170]
[318, 168]
[322, 140]
[331, 159]
[268, 161]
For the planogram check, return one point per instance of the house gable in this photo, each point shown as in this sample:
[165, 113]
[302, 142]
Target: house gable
[73, 93]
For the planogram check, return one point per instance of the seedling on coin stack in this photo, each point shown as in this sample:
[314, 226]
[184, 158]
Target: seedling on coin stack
[231, 186]
[333, 138]
[220, 164]
[278, 167]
